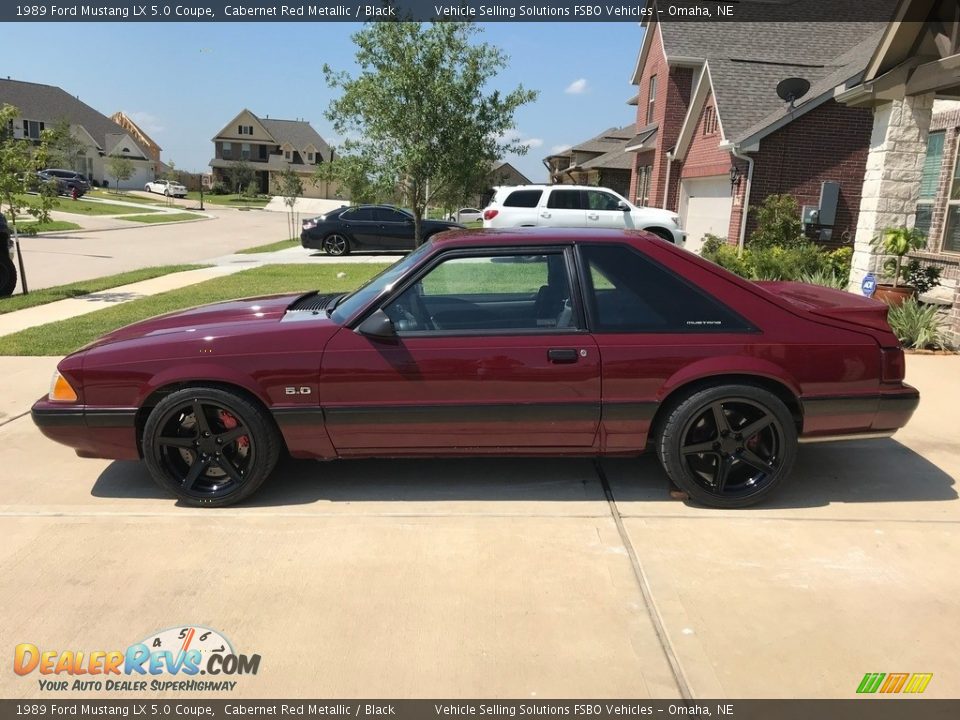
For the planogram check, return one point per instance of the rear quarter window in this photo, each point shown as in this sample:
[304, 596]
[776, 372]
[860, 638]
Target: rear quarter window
[629, 292]
[523, 198]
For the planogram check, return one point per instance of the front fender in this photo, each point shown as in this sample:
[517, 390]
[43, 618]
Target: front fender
[199, 373]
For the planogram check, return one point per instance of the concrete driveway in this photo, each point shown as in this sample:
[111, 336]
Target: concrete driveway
[502, 578]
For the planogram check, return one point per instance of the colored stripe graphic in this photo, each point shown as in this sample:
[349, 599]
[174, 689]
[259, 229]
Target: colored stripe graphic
[894, 683]
[870, 682]
[918, 682]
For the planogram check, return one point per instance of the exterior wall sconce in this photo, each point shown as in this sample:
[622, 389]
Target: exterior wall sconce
[734, 177]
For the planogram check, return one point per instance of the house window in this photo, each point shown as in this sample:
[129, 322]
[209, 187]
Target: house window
[32, 129]
[643, 184]
[929, 181]
[226, 150]
[309, 157]
[245, 151]
[287, 155]
[951, 237]
[245, 129]
[651, 98]
[709, 120]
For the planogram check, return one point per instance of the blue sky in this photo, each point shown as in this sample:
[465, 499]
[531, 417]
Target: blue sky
[184, 81]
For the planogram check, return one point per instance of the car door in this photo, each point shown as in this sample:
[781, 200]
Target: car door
[604, 210]
[395, 229]
[562, 208]
[359, 223]
[489, 353]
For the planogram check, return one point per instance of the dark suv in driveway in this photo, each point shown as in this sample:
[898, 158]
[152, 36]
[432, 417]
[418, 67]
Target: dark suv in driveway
[67, 181]
[8, 270]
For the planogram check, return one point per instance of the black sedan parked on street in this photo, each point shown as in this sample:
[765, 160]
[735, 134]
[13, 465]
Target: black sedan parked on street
[366, 227]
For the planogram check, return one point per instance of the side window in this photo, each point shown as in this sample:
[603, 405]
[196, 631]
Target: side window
[598, 200]
[388, 215]
[523, 198]
[358, 215]
[631, 293]
[496, 293]
[565, 200]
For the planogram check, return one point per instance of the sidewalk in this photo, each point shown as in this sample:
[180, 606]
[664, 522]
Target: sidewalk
[63, 309]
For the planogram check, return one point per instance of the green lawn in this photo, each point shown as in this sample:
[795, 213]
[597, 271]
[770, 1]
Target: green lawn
[79, 289]
[82, 207]
[52, 226]
[163, 217]
[65, 336]
[124, 195]
[271, 247]
[231, 200]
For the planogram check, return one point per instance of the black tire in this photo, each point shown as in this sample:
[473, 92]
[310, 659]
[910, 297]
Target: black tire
[8, 275]
[166, 193]
[661, 233]
[336, 244]
[731, 459]
[213, 467]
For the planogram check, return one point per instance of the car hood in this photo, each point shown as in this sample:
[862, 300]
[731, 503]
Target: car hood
[248, 310]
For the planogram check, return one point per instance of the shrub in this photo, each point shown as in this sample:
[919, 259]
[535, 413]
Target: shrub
[916, 325]
[218, 188]
[824, 277]
[922, 277]
[778, 223]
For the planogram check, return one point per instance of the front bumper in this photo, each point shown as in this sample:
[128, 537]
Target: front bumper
[879, 414]
[91, 432]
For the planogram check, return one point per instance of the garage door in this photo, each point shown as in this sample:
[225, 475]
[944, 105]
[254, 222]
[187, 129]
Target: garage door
[705, 208]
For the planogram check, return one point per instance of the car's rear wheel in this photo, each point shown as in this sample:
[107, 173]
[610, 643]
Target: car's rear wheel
[209, 447]
[728, 446]
[8, 276]
[336, 244]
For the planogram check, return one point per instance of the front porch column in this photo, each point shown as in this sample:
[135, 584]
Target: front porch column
[891, 184]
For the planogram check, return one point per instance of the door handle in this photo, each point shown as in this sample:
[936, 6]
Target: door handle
[593, 216]
[545, 214]
[562, 355]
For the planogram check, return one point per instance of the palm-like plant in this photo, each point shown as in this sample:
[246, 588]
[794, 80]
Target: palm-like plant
[898, 242]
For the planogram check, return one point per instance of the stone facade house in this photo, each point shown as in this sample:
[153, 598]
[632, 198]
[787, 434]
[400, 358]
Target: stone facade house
[913, 177]
[602, 160]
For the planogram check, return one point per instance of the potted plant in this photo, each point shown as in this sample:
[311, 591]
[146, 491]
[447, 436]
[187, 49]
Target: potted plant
[897, 242]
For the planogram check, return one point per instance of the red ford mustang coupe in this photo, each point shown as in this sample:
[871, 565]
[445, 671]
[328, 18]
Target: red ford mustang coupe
[526, 342]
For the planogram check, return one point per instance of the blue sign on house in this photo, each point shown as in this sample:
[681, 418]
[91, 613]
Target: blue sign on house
[869, 284]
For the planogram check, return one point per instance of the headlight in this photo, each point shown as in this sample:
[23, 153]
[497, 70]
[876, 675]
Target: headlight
[61, 390]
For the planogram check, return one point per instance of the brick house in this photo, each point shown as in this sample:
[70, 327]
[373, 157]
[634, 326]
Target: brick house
[713, 138]
[271, 146]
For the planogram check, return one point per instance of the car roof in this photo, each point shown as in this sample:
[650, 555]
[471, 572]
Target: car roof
[539, 236]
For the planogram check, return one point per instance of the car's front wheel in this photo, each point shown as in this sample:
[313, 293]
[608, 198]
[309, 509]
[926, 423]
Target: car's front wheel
[336, 244]
[8, 276]
[146, 188]
[209, 447]
[728, 446]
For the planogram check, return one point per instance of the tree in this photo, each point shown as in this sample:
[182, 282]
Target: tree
[419, 116]
[290, 187]
[240, 174]
[65, 150]
[357, 176]
[120, 167]
[19, 161]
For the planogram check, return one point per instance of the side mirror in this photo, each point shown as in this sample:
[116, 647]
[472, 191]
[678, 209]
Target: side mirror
[623, 206]
[378, 325]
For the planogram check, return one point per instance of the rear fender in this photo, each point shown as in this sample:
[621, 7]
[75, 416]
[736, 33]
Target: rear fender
[715, 367]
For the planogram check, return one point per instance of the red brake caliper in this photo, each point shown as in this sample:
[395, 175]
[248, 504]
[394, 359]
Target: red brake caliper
[230, 422]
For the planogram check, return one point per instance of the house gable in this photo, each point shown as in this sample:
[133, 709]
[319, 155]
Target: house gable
[124, 145]
[246, 119]
[703, 155]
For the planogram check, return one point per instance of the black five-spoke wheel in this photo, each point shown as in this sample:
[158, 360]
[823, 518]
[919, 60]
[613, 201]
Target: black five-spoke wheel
[728, 446]
[208, 446]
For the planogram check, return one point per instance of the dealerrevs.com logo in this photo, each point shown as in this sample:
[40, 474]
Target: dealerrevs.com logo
[171, 659]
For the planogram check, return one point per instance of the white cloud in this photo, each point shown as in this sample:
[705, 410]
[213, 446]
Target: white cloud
[149, 123]
[556, 149]
[577, 87]
[532, 142]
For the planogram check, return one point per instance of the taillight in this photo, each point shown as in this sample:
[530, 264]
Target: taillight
[892, 365]
[490, 213]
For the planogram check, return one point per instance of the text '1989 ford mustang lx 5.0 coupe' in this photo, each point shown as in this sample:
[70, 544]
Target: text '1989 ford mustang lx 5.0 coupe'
[512, 342]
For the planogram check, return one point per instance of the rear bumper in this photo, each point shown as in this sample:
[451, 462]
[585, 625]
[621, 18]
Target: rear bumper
[97, 433]
[880, 414]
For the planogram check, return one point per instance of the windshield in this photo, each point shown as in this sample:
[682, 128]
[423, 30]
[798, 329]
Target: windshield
[355, 301]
